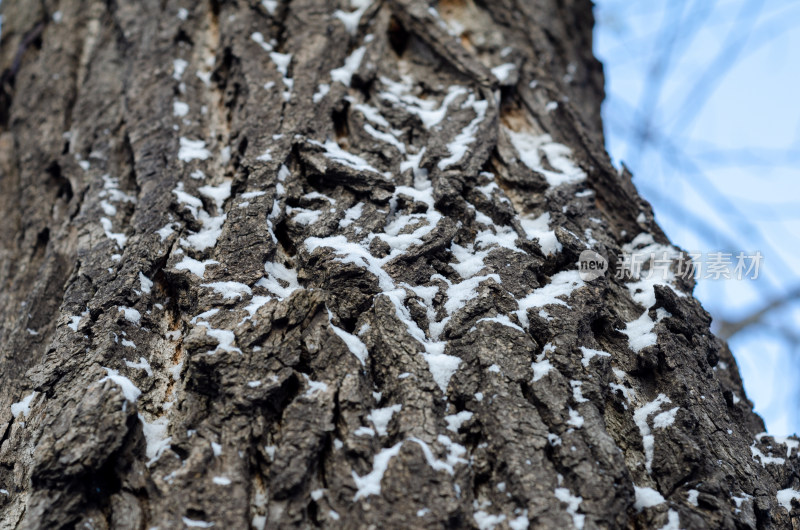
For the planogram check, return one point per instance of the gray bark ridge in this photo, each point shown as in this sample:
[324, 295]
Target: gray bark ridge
[273, 264]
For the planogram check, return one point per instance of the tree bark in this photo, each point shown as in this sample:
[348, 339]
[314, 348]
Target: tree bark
[271, 264]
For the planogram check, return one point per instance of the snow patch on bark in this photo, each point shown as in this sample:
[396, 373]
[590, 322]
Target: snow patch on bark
[339, 155]
[280, 280]
[344, 74]
[141, 365]
[459, 145]
[381, 417]
[765, 459]
[129, 390]
[786, 496]
[487, 521]
[351, 215]
[532, 149]
[673, 521]
[454, 421]
[572, 502]
[145, 283]
[561, 285]
[351, 19]
[370, 484]
[354, 344]
[646, 498]
[644, 250]
[155, 435]
[23, 406]
[640, 419]
[503, 320]
[131, 315]
[198, 268]
[229, 290]
[589, 354]
[193, 523]
[539, 229]
[429, 111]
[211, 225]
[192, 150]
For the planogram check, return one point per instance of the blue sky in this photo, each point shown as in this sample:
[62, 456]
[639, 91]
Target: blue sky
[718, 82]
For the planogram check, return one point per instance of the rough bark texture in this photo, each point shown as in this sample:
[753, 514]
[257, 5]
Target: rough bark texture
[227, 319]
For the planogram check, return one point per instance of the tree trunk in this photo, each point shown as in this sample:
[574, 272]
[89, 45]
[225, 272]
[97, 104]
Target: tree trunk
[273, 264]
